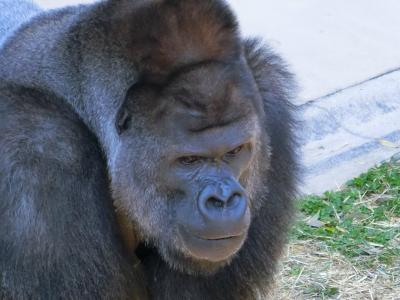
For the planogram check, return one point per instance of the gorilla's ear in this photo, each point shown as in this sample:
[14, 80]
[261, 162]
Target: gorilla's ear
[123, 120]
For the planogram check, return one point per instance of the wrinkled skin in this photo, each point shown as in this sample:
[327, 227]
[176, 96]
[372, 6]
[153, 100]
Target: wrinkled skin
[146, 151]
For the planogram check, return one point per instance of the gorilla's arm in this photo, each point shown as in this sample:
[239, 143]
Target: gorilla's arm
[57, 235]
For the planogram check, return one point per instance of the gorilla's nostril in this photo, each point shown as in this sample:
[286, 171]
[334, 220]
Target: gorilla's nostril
[214, 202]
[230, 202]
[234, 200]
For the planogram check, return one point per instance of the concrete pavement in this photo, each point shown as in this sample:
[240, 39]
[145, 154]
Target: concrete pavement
[349, 131]
[346, 57]
[347, 60]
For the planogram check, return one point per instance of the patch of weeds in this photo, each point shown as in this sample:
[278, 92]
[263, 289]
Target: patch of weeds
[361, 219]
[321, 292]
[330, 291]
[296, 270]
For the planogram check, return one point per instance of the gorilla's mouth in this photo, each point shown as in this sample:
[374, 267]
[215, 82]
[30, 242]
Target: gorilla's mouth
[219, 239]
[212, 249]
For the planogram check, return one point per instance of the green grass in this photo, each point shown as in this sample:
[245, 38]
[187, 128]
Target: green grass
[346, 243]
[363, 219]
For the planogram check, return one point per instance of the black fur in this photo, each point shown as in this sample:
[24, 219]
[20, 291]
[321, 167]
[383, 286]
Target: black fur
[64, 78]
[56, 210]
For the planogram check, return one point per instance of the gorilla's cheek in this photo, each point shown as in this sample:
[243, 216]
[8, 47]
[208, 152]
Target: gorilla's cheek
[136, 193]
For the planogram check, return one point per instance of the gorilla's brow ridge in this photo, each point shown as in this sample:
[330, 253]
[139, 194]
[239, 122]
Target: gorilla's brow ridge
[217, 124]
[185, 69]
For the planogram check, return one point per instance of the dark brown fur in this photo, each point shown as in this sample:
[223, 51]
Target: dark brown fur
[172, 40]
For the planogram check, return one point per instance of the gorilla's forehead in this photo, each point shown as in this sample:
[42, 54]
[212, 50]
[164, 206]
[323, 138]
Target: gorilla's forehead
[212, 95]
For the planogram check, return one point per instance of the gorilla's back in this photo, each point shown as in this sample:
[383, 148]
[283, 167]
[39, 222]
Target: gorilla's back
[13, 13]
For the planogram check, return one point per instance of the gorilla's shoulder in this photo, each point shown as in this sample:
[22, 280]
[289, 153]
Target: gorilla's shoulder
[38, 123]
[13, 13]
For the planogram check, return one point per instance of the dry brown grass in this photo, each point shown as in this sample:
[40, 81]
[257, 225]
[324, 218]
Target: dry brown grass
[311, 271]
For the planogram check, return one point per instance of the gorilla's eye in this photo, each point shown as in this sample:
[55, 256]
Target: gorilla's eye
[190, 160]
[235, 151]
[123, 121]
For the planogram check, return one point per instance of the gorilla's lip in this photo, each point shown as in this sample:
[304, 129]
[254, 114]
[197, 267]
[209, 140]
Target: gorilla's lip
[215, 235]
[214, 249]
[219, 238]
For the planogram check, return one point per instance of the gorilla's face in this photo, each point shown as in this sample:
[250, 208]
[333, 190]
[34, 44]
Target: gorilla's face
[186, 165]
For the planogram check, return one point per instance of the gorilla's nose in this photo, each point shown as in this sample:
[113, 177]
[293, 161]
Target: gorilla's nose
[223, 206]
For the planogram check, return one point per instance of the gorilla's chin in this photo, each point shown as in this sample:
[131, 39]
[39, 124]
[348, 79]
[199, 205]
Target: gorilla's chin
[192, 265]
[202, 257]
[213, 250]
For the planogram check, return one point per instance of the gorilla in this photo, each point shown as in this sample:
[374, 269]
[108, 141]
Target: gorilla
[147, 151]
